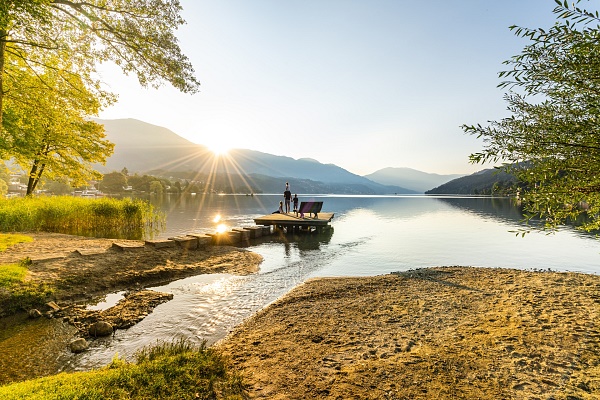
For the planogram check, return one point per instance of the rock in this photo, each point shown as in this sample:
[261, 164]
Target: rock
[53, 306]
[161, 244]
[78, 345]
[128, 246]
[101, 328]
[34, 313]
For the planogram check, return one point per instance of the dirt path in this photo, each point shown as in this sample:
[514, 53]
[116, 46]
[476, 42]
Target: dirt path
[440, 333]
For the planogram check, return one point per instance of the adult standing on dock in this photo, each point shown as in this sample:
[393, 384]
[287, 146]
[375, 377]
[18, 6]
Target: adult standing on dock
[287, 196]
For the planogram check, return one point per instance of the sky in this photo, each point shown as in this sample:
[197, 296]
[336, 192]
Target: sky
[363, 84]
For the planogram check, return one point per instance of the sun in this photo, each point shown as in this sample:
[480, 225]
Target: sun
[218, 149]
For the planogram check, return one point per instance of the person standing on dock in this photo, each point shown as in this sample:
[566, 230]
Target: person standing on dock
[296, 204]
[287, 196]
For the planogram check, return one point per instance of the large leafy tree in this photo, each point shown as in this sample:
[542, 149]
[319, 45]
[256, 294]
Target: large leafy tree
[48, 127]
[551, 141]
[49, 52]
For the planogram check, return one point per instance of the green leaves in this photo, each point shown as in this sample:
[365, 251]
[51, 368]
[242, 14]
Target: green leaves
[552, 139]
[49, 51]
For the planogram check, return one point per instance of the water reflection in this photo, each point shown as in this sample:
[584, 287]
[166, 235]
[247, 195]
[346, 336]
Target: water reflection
[199, 213]
[501, 209]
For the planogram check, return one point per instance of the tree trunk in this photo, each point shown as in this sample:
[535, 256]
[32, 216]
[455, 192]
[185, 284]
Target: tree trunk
[34, 176]
[3, 36]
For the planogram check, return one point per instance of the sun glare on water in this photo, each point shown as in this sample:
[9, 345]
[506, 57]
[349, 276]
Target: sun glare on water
[221, 228]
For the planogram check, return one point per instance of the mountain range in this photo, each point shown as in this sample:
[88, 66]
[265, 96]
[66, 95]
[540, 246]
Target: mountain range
[411, 178]
[149, 149]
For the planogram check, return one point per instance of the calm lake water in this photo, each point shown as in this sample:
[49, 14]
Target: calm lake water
[370, 236]
[376, 235]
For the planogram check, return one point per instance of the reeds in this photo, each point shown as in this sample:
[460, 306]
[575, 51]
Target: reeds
[105, 217]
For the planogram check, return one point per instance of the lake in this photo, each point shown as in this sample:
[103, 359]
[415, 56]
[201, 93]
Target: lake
[382, 234]
[370, 236]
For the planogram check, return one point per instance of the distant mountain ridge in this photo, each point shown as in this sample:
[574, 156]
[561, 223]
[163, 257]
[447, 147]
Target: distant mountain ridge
[487, 181]
[142, 147]
[410, 178]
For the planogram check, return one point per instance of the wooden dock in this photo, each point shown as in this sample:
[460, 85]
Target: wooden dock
[290, 220]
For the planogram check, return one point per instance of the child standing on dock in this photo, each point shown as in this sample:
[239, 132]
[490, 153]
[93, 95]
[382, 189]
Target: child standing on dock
[296, 204]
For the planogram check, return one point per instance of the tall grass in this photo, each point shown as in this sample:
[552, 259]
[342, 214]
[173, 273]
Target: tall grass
[105, 217]
[168, 371]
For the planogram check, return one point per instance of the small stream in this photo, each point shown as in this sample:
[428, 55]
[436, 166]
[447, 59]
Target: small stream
[203, 308]
[208, 307]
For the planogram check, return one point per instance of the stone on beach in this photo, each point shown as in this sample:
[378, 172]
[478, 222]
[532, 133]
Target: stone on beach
[78, 345]
[101, 328]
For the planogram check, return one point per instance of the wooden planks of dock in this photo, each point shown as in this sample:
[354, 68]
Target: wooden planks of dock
[291, 220]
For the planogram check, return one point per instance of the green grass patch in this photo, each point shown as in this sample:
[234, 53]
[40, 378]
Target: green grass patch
[105, 217]
[167, 371]
[18, 295]
[8, 240]
[23, 297]
[11, 274]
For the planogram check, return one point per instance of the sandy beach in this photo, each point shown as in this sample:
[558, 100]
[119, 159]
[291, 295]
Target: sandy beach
[438, 333]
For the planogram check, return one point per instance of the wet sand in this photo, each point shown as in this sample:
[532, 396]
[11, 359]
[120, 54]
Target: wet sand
[438, 333]
[86, 269]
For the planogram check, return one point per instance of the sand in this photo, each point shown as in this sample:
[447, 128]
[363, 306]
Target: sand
[80, 268]
[439, 333]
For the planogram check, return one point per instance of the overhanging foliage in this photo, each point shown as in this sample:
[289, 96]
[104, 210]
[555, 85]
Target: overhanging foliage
[552, 139]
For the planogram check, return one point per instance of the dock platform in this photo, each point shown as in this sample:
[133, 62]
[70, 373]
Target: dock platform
[290, 220]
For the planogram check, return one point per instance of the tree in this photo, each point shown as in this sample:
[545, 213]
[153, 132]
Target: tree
[551, 142]
[136, 35]
[58, 188]
[156, 187]
[48, 130]
[113, 182]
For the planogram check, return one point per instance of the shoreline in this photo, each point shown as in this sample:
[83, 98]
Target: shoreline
[84, 270]
[440, 332]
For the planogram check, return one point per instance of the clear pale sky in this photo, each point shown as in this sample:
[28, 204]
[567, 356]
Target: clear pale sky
[363, 84]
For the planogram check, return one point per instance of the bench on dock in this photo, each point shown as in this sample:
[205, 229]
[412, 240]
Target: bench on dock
[310, 207]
